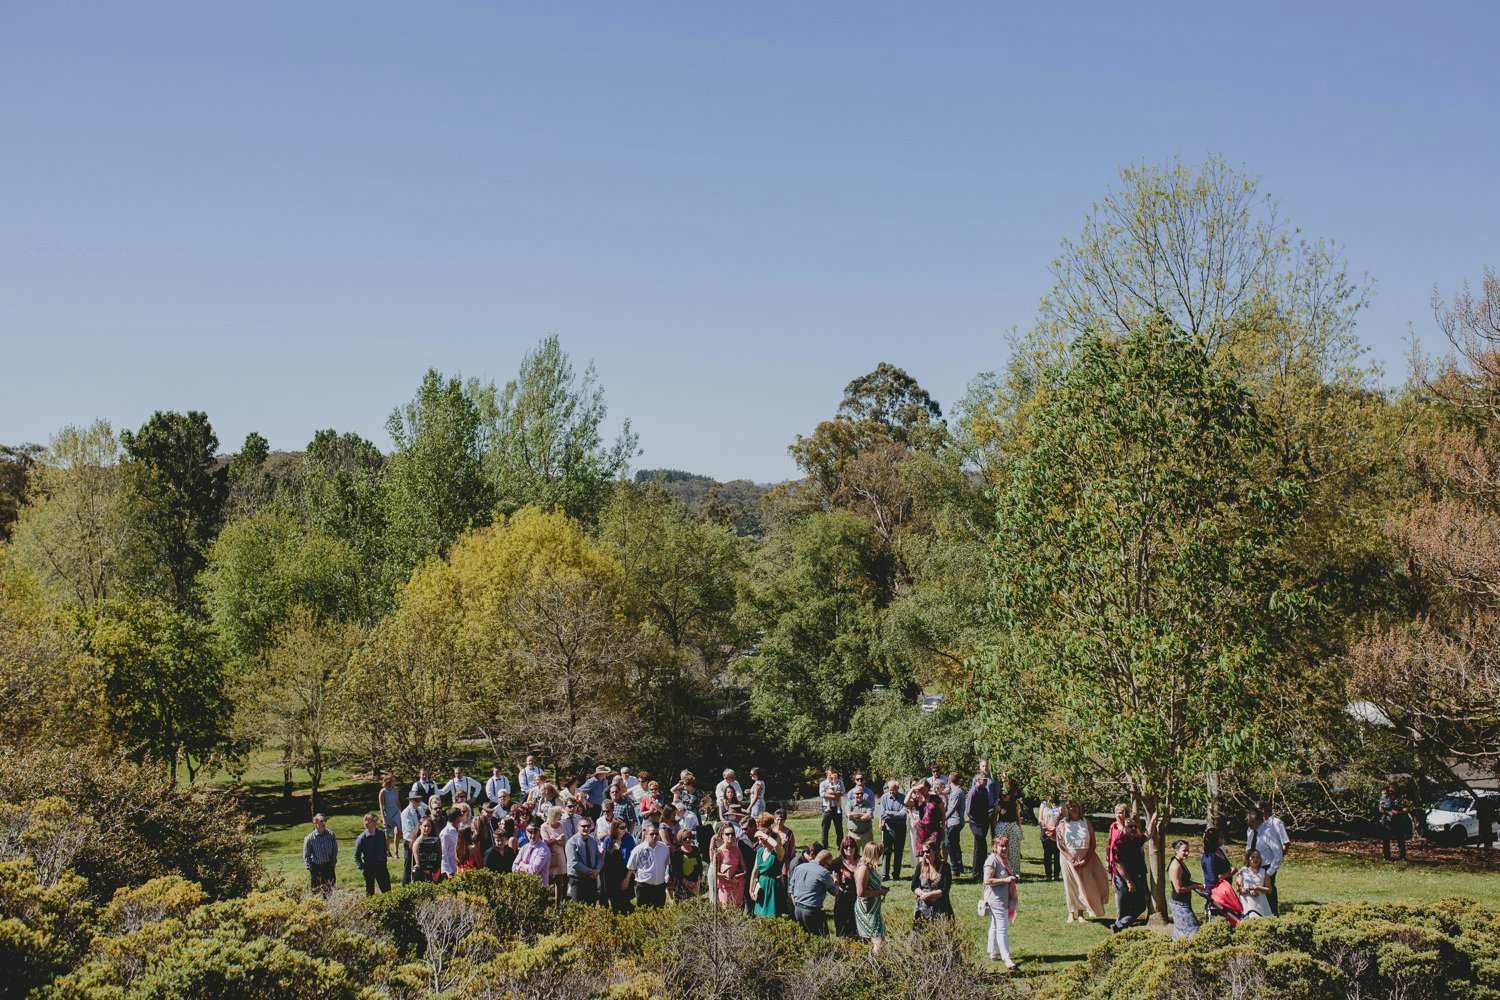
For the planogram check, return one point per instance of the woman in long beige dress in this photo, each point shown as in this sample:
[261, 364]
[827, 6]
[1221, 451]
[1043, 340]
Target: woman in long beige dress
[1085, 884]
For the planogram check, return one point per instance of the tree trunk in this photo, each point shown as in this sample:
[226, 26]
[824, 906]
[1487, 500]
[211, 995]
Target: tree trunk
[286, 781]
[1215, 814]
[315, 773]
[1157, 857]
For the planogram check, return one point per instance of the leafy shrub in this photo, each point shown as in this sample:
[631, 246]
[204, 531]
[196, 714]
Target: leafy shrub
[1385, 951]
[140, 826]
[44, 928]
[520, 906]
[269, 945]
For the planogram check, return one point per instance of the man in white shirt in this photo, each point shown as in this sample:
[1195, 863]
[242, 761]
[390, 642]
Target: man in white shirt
[460, 783]
[721, 790]
[423, 786]
[831, 791]
[630, 780]
[1261, 835]
[448, 840]
[410, 817]
[650, 864]
[531, 777]
[498, 783]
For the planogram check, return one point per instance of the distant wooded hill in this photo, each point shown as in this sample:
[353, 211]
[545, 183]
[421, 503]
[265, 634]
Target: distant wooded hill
[738, 498]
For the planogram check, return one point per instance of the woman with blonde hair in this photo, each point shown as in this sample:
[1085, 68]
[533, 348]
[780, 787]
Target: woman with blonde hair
[1085, 884]
[869, 917]
[555, 835]
[999, 899]
[767, 890]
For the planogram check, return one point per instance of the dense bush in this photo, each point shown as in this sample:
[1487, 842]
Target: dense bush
[127, 822]
[518, 904]
[168, 942]
[44, 928]
[1384, 951]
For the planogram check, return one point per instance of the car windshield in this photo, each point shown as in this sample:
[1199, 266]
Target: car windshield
[1455, 803]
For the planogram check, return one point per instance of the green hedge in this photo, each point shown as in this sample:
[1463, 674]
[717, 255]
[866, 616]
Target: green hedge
[1385, 951]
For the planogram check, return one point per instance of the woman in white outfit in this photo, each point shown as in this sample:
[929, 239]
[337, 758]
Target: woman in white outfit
[999, 899]
[1253, 887]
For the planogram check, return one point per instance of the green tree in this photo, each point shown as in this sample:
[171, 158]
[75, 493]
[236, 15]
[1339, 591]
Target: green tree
[817, 594]
[16, 462]
[165, 687]
[546, 448]
[74, 533]
[1137, 588]
[175, 490]
[262, 566]
[681, 582]
[435, 485]
[343, 496]
[854, 460]
[49, 685]
[286, 697]
[519, 635]
[250, 485]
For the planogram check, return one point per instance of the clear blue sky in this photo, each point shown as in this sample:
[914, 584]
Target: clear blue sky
[283, 213]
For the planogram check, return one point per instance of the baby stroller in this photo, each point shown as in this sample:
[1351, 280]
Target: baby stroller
[1222, 901]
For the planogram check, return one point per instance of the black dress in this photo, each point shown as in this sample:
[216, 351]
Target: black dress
[943, 905]
[843, 903]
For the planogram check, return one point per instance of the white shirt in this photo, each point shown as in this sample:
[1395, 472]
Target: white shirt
[449, 841]
[631, 781]
[1269, 843]
[1256, 904]
[495, 786]
[723, 787]
[466, 784]
[650, 864]
[689, 819]
[531, 776]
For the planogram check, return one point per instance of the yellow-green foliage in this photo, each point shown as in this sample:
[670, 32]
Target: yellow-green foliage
[44, 927]
[267, 945]
[1448, 949]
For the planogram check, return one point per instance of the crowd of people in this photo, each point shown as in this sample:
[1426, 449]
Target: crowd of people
[623, 840]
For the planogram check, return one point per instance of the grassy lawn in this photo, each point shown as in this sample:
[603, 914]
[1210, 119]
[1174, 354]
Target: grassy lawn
[1040, 938]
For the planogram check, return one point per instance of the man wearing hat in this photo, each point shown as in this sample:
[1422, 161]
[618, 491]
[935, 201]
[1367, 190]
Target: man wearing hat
[410, 817]
[594, 790]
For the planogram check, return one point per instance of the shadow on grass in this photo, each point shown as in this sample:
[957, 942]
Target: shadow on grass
[272, 811]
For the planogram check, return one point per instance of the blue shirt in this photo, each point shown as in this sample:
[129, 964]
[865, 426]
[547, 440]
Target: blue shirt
[320, 848]
[893, 807]
[594, 790]
[370, 849]
[810, 884]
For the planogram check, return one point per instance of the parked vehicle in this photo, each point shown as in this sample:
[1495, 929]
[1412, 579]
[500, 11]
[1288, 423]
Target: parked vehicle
[930, 702]
[1454, 818]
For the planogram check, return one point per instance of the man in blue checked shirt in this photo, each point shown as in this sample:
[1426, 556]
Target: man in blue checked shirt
[320, 852]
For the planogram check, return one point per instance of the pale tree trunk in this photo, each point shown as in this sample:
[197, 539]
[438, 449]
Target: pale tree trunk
[1158, 815]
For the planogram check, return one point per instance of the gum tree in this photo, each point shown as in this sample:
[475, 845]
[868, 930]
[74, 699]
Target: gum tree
[1138, 599]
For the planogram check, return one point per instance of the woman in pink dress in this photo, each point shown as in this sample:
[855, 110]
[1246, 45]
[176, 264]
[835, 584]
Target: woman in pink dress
[729, 868]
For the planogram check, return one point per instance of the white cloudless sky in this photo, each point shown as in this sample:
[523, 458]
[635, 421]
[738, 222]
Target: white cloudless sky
[284, 213]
